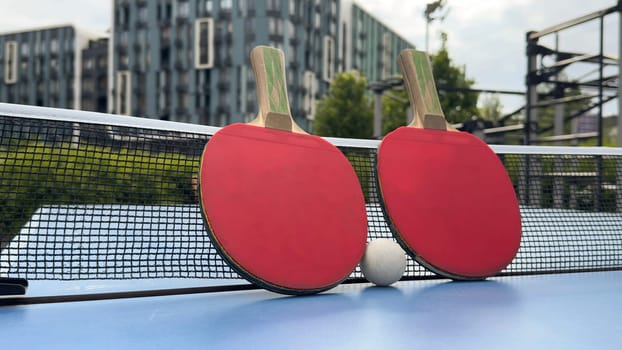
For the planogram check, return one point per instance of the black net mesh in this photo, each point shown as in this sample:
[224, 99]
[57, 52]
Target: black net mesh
[96, 201]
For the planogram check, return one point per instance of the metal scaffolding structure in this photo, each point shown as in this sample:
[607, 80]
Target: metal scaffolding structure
[596, 91]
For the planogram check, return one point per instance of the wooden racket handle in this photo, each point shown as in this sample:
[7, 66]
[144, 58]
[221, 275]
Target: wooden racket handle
[271, 85]
[419, 82]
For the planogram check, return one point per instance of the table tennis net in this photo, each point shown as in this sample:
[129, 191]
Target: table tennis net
[95, 196]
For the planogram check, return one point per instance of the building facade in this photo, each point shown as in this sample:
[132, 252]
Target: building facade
[371, 47]
[43, 67]
[94, 76]
[188, 60]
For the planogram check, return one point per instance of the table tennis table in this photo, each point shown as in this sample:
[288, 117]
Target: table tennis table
[561, 311]
[129, 266]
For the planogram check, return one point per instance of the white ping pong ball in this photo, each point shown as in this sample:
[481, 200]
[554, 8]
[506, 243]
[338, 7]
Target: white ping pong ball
[384, 262]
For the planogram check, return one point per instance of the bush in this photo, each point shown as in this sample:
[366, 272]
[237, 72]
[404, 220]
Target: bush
[34, 174]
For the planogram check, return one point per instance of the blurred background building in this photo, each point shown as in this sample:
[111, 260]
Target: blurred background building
[188, 60]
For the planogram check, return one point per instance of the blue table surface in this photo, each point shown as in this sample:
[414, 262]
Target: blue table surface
[566, 311]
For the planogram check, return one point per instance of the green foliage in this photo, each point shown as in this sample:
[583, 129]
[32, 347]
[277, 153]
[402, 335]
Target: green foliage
[394, 110]
[491, 108]
[458, 106]
[35, 174]
[346, 110]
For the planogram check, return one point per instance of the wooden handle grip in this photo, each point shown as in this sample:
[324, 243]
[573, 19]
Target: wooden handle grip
[269, 67]
[422, 93]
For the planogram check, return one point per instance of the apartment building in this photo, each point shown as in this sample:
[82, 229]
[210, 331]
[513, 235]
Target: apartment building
[188, 60]
[43, 66]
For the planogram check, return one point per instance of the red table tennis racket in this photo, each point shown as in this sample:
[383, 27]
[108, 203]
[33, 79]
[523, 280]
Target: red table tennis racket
[446, 194]
[284, 208]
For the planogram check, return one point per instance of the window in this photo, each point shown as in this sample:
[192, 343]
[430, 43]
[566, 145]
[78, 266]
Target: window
[225, 5]
[123, 98]
[142, 13]
[122, 15]
[165, 11]
[241, 88]
[124, 61]
[124, 37]
[387, 59]
[68, 43]
[204, 43]
[183, 9]
[292, 8]
[308, 100]
[89, 63]
[25, 49]
[344, 47]
[291, 30]
[183, 101]
[276, 44]
[329, 59]
[224, 99]
[249, 26]
[54, 45]
[242, 8]
[274, 5]
[291, 54]
[142, 37]
[10, 62]
[275, 26]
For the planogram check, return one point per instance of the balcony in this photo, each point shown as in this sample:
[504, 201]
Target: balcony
[181, 20]
[121, 48]
[222, 109]
[181, 111]
[180, 66]
[141, 24]
[181, 87]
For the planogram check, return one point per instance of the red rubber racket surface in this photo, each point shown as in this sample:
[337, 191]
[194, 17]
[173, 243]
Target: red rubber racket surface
[285, 209]
[450, 200]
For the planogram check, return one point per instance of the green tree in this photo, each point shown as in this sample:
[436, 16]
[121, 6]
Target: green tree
[346, 110]
[491, 108]
[394, 110]
[458, 106]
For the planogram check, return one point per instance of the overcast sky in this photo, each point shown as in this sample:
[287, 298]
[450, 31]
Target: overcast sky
[486, 36]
